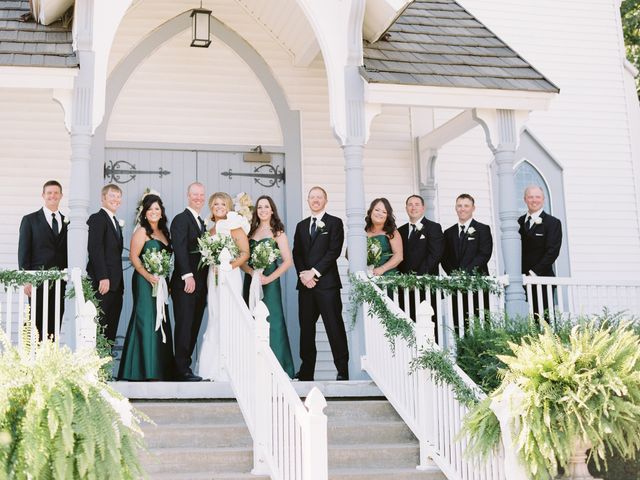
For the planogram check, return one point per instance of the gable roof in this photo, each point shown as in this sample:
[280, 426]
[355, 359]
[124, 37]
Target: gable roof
[29, 44]
[438, 43]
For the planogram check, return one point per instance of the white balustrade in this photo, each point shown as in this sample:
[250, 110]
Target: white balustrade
[13, 308]
[289, 437]
[429, 408]
[574, 297]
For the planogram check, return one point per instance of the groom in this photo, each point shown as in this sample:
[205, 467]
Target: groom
[188, 283]
[316, 247]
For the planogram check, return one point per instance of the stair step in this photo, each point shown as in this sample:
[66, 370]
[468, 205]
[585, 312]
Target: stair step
[383, 473]
[207, 476]
[220, 413]
[369, 432]
[348, 411]
[177, 460]
[197, 436]
[384, 455]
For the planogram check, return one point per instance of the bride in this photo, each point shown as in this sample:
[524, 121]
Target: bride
[226, 222]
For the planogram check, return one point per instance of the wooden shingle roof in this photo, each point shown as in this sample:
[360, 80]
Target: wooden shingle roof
[28, 44]
[438, 43]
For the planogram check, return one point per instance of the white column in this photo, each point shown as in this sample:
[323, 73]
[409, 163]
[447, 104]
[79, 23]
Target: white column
[355, 207]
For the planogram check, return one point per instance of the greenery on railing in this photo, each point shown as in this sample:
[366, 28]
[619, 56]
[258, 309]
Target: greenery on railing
[439, 362]
[17, 278]
[58, 420]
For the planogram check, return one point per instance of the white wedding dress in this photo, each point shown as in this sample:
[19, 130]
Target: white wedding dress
[209, 364]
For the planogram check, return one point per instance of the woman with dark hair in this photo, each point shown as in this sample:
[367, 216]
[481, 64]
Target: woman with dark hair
[266, 227]
[148, 346]
[380, 225]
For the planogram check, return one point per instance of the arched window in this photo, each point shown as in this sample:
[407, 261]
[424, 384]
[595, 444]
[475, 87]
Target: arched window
[525, 175]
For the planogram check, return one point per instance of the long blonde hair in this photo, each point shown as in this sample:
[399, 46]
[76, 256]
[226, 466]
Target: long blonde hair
[223, 196]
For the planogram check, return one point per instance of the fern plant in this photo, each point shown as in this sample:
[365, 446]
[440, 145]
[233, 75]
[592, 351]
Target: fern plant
[59, 421]
[586, 388]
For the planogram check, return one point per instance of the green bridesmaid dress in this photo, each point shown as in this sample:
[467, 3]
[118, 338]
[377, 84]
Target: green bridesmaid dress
[144, 355]
[386, 253]
[278, 337]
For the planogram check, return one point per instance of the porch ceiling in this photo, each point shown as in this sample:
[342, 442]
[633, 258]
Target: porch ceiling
[28, 44]
[438, 43]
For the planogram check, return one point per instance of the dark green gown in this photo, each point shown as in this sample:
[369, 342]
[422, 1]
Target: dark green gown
[144, 355]
[386, 253]
[278, 337]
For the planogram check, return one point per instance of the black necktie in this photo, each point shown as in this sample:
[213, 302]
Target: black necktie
[313, 229]
[528, 222]
[413, 230]
[54, 224]
[461, 237]
[115, 224]
[202, 227]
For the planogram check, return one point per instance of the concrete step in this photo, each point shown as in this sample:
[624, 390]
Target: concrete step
[369, 433]
[359, 411]
[197, 436]
[190, 413]
[207, 476]
[383, 473]
[189, 459]
[383, 455]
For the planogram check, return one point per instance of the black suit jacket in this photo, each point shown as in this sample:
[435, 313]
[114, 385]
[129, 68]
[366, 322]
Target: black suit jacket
[473, 253]
[105, 251]
[540, 245]
[184, 238]
[423, 251]
[320, 253]
[38, 248]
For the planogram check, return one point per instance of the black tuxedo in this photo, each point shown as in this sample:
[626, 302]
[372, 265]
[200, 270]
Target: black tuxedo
[540, 245]
[421, 256]
[321, 253]
[38, 249]
[188, 309]
[540, 248]
[471, 253]
[105, 247]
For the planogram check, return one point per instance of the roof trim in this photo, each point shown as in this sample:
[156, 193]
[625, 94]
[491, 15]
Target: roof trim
[37, 77]
[456, 97]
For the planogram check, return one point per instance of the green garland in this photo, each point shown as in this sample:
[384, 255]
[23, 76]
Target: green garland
[18, 278]
[458, 281]
[438, 361]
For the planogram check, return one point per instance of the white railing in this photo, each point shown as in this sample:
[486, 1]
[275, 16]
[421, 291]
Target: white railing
[570, 296]
[451, 310]
[14, 303]
[429, 408]
[289, 437]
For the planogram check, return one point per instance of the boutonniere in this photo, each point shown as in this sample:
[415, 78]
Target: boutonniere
[419, 226]
[66, 220]
[538, 221]
[121, 223]
[471, 231]
[421, 237]
[320, 224]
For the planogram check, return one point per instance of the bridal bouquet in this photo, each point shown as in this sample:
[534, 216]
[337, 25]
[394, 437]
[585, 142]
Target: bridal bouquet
[211, 246]
[264, 254]
[374, 251]
[157, 263]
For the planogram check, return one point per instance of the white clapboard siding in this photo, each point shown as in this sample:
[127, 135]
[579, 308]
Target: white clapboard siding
[34, 148]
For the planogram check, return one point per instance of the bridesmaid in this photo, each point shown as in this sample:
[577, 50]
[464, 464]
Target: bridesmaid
[266, 225]
[145, 356]
[380, 223]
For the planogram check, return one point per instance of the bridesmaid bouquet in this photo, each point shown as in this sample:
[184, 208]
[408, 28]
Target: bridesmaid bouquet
[374, 251]
[264, 254]
[157, 263]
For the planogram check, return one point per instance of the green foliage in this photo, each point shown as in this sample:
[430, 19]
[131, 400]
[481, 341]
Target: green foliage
[17, 278]
[458, 281]
[59, 421]
[482, 430]
[630, 12]
[585, 386]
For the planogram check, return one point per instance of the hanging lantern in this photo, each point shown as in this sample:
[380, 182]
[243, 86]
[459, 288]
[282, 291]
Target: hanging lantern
[201, 27]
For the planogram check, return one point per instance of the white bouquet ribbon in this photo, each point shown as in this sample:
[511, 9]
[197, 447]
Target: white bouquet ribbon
[162, 298]
[255, 289]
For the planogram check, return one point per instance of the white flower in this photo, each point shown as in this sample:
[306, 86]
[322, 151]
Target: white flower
[66, 220]
[121, 223]
[319, 224]
[471, 231]
[538, 221]
[419, 226]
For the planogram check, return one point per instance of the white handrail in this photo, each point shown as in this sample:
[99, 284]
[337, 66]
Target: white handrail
[289, 437]
[429, 408]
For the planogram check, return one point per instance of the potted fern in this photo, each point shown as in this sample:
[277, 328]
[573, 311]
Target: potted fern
[59, 420]
[574, 395]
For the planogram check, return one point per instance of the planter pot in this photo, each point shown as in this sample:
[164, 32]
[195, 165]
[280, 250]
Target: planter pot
[577, 468]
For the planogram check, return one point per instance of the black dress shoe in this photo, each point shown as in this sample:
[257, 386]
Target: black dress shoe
[302, 378]
[188, 377]
[341, 377]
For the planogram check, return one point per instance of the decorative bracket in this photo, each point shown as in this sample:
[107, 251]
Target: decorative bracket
[273, 175]
[113, 172]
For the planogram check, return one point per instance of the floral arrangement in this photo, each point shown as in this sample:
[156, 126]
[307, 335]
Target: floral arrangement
[243, 205]
[157, 263]
[147, 191]
[211, 246]
[374, 251]
[264, 254]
